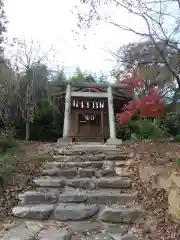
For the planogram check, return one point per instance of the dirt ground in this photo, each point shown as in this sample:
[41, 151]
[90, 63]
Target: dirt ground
[18, 169]
[155, 223]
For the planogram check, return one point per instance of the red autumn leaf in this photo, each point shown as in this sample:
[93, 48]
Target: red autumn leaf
[132, 106]
[134, 82]
[147, 106]
[124, 117]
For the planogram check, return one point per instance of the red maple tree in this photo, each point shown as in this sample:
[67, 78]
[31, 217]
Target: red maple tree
[148, 106]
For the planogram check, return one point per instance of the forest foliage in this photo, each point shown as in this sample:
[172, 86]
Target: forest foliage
[27, 84]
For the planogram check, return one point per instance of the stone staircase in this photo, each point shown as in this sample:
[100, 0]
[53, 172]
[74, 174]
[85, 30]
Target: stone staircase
[82, 194]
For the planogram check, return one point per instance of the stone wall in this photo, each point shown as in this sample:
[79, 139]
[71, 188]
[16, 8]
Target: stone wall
[166, 178]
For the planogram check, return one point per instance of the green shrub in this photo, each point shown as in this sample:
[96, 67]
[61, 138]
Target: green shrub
[172, 123]
[176, 138]
[123, 132]
[145, 129]
[148, 129]
[7, 140]
[152, 129]
[178, 161]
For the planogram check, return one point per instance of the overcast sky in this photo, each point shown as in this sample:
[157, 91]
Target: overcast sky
[52, 22]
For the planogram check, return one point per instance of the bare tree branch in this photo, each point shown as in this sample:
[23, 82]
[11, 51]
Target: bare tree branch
[156, 16]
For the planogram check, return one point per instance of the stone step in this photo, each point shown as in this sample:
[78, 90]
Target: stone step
[60, 212]
[53, 234]
[38, 230]
[71, 195]
[68, 173]
[88, 164]
[104, 236]
[86, 227]
[39, 195]
[20, 232]
[81, 143]
[77, 196]
[70, 164]
[77, 212]
[88, 150]
[116, 231]
[110, 171]
[39, 211]
[74, 212]
[96, 157]
[86, 183]
[47, 181]
[117, 214]
[90, 183]
[102, 197]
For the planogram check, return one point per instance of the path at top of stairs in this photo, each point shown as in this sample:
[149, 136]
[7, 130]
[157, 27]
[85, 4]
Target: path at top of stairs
[83, 194]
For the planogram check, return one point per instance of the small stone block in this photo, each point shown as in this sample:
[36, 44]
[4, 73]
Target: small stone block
[114, 141]
[20, 233]
[113, 183]
[119, 215]
[49, 182]
[54, 234]
[73, 196]
[41, 211]
[38, 197]
[72, 212]
[86, 172]
[129, 236]
[84, 227]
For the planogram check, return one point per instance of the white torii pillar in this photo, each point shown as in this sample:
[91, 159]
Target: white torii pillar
[67, 111]
[112, 125]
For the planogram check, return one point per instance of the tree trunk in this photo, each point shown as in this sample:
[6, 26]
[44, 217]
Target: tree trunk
[27, 130]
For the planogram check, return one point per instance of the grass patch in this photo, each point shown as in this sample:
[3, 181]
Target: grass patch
[128, 142]
[178, 161]
[10, 154]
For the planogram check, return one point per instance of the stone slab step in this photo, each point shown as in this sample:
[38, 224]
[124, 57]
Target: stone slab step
[99, 236]
[119, 229]
[40, 211]
[86, 164]
[54, 234]
[88, 143]
[87, 172]
[86, 183]
[105, 236]
[114, 230]
[117, 214]
[68, 173]
[39, 196]
[128, 236]
[21, 232]
[101, 197]
[92, 183]
[114, 182]
[47, 181]
[96, 157]
[88, 150]
[38, 230]
[71, 195]
[62, 212]
[74, 212]
[62, 165]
